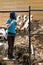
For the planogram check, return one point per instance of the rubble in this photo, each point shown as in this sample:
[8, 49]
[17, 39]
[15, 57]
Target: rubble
[21, 44]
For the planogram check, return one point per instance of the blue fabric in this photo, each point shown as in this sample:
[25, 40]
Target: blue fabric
[12, 28]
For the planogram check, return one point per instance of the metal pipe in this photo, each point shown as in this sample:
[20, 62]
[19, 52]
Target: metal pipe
[14, 11]
[29, 38]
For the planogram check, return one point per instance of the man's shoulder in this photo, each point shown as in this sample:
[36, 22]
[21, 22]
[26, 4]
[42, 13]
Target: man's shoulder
[8, 21]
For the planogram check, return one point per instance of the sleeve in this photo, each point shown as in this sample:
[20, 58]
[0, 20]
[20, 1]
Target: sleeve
[8, 21]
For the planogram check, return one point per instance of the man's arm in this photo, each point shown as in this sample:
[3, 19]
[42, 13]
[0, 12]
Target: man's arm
[8, 25]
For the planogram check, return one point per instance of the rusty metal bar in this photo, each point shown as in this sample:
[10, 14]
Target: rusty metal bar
[29, 37]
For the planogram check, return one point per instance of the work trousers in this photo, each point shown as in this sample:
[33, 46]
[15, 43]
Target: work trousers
[11, 39]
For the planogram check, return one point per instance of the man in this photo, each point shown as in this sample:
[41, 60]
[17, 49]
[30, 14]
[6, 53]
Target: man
[11, 30]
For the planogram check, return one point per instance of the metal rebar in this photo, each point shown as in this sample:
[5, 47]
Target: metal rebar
[29, 38]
